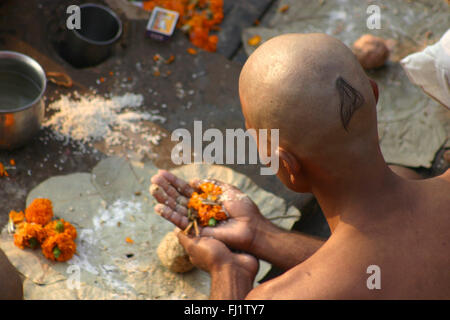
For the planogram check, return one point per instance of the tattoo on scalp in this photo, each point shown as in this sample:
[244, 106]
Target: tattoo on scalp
[350, 100]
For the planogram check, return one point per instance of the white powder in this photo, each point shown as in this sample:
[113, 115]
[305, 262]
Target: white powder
[90, 242]
[117, 212]
[92, 118]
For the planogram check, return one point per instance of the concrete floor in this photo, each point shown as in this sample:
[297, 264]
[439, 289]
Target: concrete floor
[35, 28]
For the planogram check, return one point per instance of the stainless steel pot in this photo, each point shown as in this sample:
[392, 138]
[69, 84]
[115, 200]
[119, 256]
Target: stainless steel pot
[94, 42]
[22, 85]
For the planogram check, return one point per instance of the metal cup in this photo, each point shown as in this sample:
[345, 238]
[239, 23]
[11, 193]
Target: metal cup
[94, 42]
[22, 85]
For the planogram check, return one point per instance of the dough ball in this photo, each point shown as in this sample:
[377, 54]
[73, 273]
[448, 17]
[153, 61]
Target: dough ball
[172, 254]
[371, 51]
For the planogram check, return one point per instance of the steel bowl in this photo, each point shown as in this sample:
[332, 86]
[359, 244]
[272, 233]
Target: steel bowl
[94, 42]
[22, 85]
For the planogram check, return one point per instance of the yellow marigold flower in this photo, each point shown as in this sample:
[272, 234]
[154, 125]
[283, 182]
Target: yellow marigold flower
[40, 211]
[29, 235]
[60, 226]
[59, 247]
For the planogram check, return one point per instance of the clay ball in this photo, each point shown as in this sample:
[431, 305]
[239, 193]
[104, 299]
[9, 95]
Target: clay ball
[371, 51]
[172, 254]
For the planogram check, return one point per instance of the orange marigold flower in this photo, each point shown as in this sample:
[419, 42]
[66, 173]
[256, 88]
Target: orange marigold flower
[12, 162]
[204, 204]
[3, 171]
[16, 217]
[284, 8]
[60, 226]
[29, 235]
[254, 41]
[40, 211]
[59, 247]
[129, 240]
[192, 51]
[170, 59]
[203, 14]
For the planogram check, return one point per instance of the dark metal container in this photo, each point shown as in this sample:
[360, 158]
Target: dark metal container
[93, 43]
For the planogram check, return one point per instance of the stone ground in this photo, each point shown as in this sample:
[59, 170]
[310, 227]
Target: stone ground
[36, 28]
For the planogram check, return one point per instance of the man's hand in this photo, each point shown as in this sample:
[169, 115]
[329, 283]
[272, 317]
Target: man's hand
[238, 232]
[211, 255]
[246, 229]
[232, 274]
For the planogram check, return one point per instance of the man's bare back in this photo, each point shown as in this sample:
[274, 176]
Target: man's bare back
[408, 245]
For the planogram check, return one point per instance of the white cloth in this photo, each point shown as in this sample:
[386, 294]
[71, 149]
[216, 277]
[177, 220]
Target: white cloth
[430, 69]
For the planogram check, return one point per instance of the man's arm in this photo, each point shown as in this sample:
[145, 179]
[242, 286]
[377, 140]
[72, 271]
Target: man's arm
[282, 248]
[230, 283]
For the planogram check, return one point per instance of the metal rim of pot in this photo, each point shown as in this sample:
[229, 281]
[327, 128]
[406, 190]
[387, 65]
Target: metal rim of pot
[113, 14]
[34, 64]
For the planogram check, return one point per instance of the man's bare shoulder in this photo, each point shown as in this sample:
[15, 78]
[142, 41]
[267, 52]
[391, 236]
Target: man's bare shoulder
[446, 176]
[435, 194]
[370, 265]
[333, 272]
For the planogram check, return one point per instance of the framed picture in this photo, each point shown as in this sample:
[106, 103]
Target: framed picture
[162, 22]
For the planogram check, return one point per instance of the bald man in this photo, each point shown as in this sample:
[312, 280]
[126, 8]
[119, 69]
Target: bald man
[390, 236]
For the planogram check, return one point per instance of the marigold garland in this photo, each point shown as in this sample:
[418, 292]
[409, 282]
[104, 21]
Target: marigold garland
[40, 211]
[197, 18]
[29, 235]
[59, 247]
[205, 204]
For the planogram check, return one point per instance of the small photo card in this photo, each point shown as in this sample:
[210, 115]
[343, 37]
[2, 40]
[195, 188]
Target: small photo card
[162, 23]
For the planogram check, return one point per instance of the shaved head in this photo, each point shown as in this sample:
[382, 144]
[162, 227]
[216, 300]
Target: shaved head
[312, 88]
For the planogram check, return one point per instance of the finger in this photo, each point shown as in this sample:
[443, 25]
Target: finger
[187, 242]
[175, 217]
[215, 232]
[162, 197]
[161, 181]
[208, 232]
[195, 183]
[182, 186]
